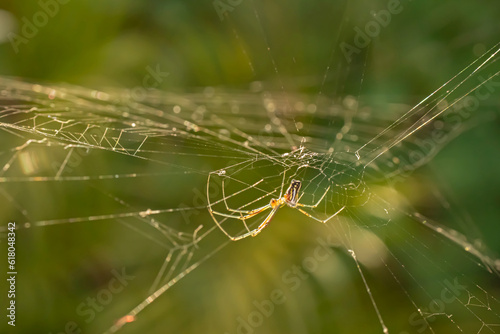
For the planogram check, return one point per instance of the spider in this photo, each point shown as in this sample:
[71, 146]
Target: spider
[290, 198]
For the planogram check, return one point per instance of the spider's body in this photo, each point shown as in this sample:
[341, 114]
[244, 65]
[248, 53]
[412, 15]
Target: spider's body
[290, 198]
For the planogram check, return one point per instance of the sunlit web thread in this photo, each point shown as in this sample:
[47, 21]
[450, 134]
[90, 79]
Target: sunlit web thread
[489, 55]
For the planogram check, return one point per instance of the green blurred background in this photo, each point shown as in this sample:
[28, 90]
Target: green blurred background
[288, 45]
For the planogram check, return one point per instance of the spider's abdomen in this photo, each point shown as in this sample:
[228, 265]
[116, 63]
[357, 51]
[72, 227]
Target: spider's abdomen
[292, 193]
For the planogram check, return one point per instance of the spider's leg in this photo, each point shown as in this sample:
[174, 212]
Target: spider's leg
[314, 205]
[243, 236]
[322, 221]
[241, 216]
[266, 221]
[256, 231]
[224, 197]
[282, 184]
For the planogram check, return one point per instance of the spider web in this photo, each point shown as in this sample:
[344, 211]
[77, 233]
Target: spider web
[156, 174]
